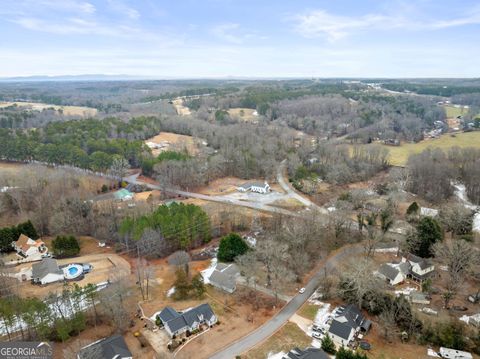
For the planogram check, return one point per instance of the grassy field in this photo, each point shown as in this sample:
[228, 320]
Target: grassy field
[452, 111]
[66, 110]
[287, 338]
[399, 155]
[308, 311]
[244, 114]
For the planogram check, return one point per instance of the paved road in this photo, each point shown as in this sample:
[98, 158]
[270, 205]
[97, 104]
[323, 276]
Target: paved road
[270, 327]
[219, 199]
[287, 188]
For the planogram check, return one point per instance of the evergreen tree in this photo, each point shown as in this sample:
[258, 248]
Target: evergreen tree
[231, 246]
[328, 345]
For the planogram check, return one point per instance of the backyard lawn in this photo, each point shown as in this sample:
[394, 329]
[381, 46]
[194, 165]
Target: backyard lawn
[287, 338]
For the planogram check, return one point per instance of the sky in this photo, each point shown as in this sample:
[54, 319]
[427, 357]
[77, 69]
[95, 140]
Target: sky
[240, 38]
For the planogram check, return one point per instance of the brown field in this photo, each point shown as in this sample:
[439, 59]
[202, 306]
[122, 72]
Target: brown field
[227, 185]
[287, 338]
[175, 142]
[67, 110]
[181, 109]
[105, 267]
[244, 114]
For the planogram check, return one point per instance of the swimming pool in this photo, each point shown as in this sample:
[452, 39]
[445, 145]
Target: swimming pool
[73, 271]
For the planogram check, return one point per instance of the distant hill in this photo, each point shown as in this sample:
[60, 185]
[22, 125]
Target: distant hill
[86, 77]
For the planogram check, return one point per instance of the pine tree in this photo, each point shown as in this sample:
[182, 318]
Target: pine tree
[328, 345]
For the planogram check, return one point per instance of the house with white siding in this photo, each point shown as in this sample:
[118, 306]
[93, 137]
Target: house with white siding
[258, 187]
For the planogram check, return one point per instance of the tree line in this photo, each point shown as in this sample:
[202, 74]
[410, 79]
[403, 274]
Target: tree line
[169, 228]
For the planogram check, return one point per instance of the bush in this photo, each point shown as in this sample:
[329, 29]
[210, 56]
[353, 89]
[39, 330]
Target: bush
[65, 246]
[104, 188]
[230, 247]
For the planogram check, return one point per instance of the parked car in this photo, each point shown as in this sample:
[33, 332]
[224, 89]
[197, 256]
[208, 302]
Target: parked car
[316, 327]
[317, 335]
[301, 291]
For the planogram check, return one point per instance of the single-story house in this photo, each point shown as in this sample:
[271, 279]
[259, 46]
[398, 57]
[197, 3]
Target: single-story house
[419, 298]
[224, 277]
[107, 348]
[420, 268]
[347, 324]
[391, 274]
[258, 187]
[308, 353]
[47, 271]
[454, 354]
[27, 247]
[176, 323]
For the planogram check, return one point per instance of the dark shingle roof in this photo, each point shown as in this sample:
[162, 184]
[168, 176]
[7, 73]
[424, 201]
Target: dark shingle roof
[107, 348]
[167, 314]
[341, 330]
[197, 314]
[309, 353]
[388, 271]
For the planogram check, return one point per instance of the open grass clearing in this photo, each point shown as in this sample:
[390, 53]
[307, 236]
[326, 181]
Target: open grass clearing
[399, 154]
[453, 111]
[308, 311]
[66, 110]
[287, 338]
[244, 114]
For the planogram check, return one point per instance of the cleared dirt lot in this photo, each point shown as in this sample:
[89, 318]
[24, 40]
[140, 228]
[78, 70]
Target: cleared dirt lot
[174, 142]
[106, 266]
[244, 114]
[66, 110]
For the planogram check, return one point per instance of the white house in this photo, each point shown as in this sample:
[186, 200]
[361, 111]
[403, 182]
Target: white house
[454, 354]
[257, 187]
[28, 247]
[391, 274]
[224, 277]
[47, 271]
[347, 324]
[178, 323]
[420, 268]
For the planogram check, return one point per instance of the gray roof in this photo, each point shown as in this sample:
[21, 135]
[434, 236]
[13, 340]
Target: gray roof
[187, 318]
[341, 330]
[405, 267]
[224, 276]
[107, 348]
[422, 262]
[388, 271]
[222, 280]
[251, 184]
[167, 314]
[308, 353]
[353, 315]
[46, 266]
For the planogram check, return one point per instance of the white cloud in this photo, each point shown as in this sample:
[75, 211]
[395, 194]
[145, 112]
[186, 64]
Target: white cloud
[232, 33]
[226, 32]
[320, 23]
[124, 9]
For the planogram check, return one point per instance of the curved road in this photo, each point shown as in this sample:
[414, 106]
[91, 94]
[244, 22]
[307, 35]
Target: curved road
[270, 327]
[287, 188]
[220, 199]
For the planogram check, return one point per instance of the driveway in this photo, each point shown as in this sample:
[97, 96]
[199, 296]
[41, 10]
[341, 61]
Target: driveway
[289, 190]
[270, 327]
